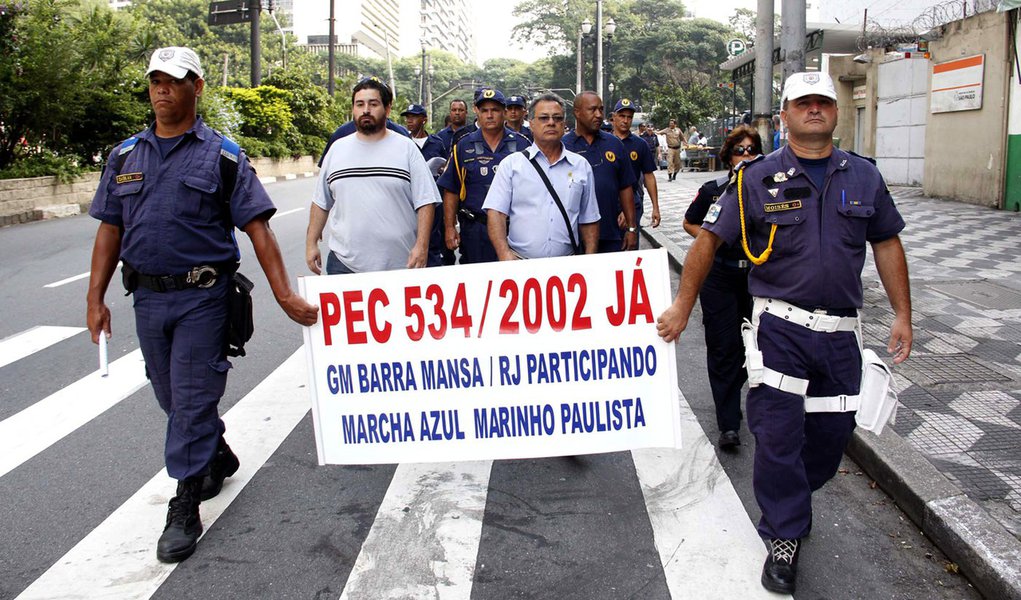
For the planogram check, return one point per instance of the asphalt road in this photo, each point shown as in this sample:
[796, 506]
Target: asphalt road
[550, 528]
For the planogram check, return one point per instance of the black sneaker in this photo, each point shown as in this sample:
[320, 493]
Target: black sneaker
[181, 535]
[729, 440]
[781, 568]
[225, 463]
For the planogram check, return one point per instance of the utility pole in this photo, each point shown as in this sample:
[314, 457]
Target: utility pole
[226, 58]
[256, 44]
[425, 74]
[331, 83]
[762, 95]
[792, 36]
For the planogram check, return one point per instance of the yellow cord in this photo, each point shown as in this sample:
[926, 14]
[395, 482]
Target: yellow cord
[756, 260]
[461, 173]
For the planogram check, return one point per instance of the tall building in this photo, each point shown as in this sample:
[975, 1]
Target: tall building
[369, 25]
[447, 25]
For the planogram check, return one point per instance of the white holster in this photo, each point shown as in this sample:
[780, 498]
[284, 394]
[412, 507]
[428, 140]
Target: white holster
[876, 400]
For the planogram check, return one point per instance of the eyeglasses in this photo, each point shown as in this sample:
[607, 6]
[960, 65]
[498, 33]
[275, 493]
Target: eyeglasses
[548, 118]
[749, 150]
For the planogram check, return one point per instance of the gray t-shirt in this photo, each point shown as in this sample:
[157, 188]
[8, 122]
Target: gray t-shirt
[372, 191]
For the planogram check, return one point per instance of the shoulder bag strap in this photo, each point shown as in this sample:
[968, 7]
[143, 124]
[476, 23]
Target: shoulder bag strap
[560, 205]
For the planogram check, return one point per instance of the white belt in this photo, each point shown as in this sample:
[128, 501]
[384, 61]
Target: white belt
[800, 316]
[799, 386]
[784, 383]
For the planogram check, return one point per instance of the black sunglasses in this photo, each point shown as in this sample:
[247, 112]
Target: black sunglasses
[748, 150]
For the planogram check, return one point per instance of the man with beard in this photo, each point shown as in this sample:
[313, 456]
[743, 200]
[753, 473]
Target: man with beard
[376, 192]
[470, 170]
[458, 116]
[613, 174]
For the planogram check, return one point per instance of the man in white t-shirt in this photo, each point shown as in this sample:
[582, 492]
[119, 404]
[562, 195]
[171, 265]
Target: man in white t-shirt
[375, 192]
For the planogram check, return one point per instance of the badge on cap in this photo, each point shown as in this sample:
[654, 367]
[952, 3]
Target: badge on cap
[713, 214]
[811, 78]
[779, 177]
[166, 54]
[488, 94]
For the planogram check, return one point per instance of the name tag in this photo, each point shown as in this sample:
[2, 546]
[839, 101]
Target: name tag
[779, 206]
[129, 177]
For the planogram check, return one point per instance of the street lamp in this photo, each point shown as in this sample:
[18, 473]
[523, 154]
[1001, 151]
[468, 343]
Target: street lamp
[421, 73]
[611, 28]
[583, 34]
[609, 101]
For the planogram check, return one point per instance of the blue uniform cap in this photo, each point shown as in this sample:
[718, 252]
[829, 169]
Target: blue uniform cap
[490, 94]
[516, 101]
[414, 109]
[625, 104]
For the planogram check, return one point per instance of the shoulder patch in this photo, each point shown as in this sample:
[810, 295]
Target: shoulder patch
[230, 149]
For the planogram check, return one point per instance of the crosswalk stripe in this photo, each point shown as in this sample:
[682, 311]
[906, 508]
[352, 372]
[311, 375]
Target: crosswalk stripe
[117, 560]
[41, 425]
[425, 538]
[30, 341]
[698, 520]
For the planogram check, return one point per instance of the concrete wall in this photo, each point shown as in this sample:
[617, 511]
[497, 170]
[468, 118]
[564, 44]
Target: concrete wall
[965, 150]
[846, 75]
[901, 112]
[24, 200]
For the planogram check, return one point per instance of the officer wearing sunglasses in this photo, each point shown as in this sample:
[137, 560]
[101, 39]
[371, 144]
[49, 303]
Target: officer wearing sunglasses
[724, 297]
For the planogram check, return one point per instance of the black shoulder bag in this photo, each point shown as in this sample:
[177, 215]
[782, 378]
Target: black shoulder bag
[560, 205]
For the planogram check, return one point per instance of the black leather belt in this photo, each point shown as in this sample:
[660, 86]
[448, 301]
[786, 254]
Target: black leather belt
[202, 276]
[737, 264]
[673, 147]
[470, 215]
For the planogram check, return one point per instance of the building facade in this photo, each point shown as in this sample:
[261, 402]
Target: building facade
[447, 25]
[372, 26]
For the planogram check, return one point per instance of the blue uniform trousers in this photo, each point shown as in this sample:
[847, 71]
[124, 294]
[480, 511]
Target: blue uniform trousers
[475, 244]
[797, 452]
[182, 338]
[725, 304]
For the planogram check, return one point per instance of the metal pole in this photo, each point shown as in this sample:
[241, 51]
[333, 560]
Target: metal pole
[792, 36]
[429, 92]
[331, 84]
[256, 7]
[762, 94]
[421, 95]
[283, 40]
[389, 63]
[599, 47]
[578, 82]
[225, 59]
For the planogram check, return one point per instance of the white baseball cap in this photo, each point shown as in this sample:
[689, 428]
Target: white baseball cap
[800, 85]
[175, 61]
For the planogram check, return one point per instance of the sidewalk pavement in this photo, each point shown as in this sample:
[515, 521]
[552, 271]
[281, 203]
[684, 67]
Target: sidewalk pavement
[952, 461]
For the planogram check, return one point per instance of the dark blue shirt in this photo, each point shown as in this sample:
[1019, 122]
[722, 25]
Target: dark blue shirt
[348, 128]
[641, 162]
[612, 171]
[433, 147]
[170, 208]
[707, 195]
[525, 131]
[472, 164]
[819, 247]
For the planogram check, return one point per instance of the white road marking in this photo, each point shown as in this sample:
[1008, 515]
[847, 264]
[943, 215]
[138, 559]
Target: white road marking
[288, 212]
[425, 539]
[704, 538]
[117, 560]
[46, 422]
[30, 341]
[72, 279]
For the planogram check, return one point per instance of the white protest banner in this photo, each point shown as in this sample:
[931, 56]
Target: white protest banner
[518, 359]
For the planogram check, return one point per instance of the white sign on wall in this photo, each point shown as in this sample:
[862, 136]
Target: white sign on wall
[957, 84]
[520, 359]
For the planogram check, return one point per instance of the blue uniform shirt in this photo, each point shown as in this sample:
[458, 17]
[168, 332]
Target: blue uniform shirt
[449, 137]
[170, 208]
[473, 158]
[612, 171]
[525, 131]
[641, 162]
[819, 249]
[432, 147]
[348, 128]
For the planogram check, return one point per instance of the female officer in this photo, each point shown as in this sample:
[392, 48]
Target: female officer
[724, 297]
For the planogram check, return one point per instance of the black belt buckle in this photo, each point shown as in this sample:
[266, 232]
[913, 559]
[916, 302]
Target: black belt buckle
[202, 277]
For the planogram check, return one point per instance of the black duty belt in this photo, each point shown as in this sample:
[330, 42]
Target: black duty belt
[202, 276]
[737, 264]
[471, 215]
[673, 147]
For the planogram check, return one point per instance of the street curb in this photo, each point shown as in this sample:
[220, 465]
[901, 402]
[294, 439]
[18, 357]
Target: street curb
[985, 551]
[286, 177]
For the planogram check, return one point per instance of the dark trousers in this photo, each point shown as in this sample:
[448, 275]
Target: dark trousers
[475, 244]
[797, 452]
[609, 246]
[182, 338]
[725, 304]
[439, 255]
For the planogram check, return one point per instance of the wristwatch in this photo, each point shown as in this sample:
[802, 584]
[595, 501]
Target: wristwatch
[632, 230]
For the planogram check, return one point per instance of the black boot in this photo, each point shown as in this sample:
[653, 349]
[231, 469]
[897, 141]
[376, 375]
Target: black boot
[781, 569]
[183, 529]
[225, 463]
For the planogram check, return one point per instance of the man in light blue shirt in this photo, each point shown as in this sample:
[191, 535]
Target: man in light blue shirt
[538, 226]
